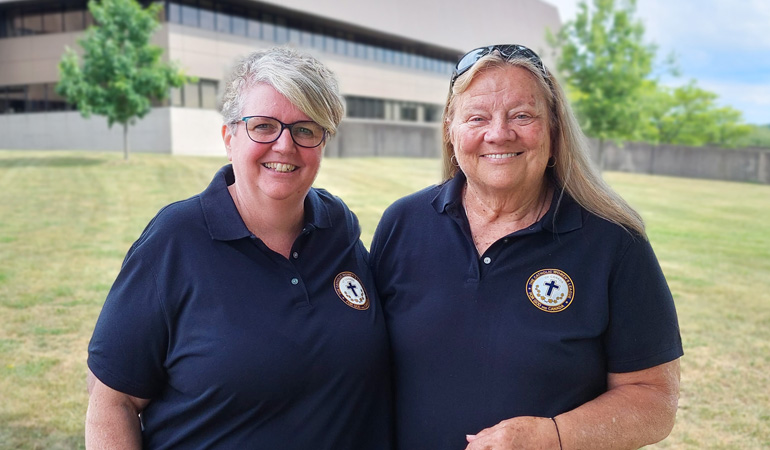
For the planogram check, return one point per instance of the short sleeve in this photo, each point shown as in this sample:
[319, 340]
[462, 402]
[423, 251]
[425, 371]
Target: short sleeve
[643, 331]
[130, 340]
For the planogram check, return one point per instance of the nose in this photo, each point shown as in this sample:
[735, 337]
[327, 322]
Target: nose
[499, 130]
[284, 143]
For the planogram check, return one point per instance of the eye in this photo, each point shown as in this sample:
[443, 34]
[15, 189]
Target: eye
[476, 120]
[303, 131]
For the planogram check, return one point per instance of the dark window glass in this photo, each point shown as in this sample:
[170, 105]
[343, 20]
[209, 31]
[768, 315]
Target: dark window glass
[73, 20]
[408, 112]
[174, 13]
[52, 22]
[281, 31]
[253, 28]
[206, 15]
[268, 28]
[189, 14]
[239, 25]
[55, 101]
[36, 98]
[17, 98]
[32, 23]
[223, 19]
[3, 100]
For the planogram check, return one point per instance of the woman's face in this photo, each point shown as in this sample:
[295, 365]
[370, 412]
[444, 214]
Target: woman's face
[279, 170]
[500, 131]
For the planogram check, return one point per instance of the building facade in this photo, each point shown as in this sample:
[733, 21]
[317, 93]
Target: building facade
[393, 60]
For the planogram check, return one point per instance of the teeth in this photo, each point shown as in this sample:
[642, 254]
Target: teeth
[280, 167]
[503, 155]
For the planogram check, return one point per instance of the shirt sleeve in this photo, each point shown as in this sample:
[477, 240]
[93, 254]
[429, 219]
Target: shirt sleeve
[127, 350]
[643, 331]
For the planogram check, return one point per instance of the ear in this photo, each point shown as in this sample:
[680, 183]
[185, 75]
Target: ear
[227, 138]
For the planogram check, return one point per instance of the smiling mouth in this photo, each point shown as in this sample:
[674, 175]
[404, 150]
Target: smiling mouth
[280, 167]
[502, 155]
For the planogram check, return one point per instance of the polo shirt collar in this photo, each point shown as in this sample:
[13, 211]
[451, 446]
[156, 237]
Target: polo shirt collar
[568, 216]
[223, 220]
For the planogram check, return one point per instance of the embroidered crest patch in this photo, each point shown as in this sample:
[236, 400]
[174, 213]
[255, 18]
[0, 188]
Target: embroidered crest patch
[351, 290]
[550, 290]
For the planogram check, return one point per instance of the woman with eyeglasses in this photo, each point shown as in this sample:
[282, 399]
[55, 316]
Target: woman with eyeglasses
[524, 303]
[246, 316]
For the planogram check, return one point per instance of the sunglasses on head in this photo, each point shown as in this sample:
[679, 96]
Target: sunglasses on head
[507, 51]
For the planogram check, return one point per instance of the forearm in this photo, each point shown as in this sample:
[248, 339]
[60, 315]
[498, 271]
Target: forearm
[627, 416]
[112, 419]
[112, 427]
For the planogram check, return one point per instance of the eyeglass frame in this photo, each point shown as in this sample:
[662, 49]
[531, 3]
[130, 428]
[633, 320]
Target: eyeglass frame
[284, 126]
[507, 51]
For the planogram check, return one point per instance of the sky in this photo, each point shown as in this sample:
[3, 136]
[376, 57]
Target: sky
[724, 45]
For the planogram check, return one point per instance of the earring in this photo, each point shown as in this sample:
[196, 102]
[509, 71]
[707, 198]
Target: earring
[551, 162]
[453, 160]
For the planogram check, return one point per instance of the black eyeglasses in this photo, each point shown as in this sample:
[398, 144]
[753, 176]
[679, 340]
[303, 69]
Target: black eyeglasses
[507, 51]
[264, 130]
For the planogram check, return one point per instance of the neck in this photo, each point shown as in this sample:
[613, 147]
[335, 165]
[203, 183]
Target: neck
[276, 222]
[525, 206]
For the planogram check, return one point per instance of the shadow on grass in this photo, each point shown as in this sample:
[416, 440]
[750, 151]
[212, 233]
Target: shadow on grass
[50, 161]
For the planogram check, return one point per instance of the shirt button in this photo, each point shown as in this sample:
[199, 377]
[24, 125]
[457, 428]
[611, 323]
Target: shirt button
[294, 281]
[295, 255]
[487, 260]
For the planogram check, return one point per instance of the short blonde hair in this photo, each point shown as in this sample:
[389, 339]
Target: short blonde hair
[572, 170]
[299, 77]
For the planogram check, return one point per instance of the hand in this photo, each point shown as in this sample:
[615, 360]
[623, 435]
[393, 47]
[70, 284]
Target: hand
[524, 432]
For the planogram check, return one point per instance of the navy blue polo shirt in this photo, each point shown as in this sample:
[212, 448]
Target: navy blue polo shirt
[530, 328]
[238, 347]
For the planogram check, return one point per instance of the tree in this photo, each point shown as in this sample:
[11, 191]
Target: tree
[121, 72]
[606, 65]
[689, 115]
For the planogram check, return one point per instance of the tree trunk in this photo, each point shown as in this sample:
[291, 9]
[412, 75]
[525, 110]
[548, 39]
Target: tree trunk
[125, 141]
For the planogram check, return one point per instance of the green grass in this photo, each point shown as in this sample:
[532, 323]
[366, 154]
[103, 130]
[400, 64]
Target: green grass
[67, 219]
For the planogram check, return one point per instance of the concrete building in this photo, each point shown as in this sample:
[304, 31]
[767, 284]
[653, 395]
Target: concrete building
[393, 60]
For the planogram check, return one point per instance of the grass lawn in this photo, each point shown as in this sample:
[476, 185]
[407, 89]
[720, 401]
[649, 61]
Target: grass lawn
[67, 219]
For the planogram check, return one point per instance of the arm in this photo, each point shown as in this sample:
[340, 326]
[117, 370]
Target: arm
[638, 409]
[112, 420]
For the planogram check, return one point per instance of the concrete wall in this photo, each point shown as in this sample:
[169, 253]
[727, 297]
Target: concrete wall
[752, 164]
[361, 137]
[70, 131]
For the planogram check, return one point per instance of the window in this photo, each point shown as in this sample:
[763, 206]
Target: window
[223, 19]
[192, 95]
[73, 20]
[52, 22]
[206, 15]
[238, 22]
[268, 28]
[208, 94]
[189, 13]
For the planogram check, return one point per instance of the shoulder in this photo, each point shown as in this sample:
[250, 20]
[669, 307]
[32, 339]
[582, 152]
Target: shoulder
[172, 221]
[415, 203]
[332, 210]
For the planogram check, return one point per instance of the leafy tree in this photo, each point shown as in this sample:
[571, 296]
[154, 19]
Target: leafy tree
[689, 115]
[758, 136]
[606, 62]
[121, 72]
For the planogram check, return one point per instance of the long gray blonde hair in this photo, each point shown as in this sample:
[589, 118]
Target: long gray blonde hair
[572, 170]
